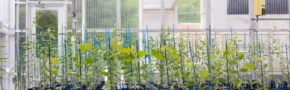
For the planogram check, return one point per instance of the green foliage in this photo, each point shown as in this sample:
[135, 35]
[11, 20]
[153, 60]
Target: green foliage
[157, 54]
[204, 74]
[249, 66]
[170, 65]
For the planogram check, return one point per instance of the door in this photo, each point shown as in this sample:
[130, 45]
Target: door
[38, 17]
[49, 17]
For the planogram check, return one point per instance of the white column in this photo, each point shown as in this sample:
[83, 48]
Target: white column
[252, 22]
[9, 64]
[11, 16]
[2, 9]
[118, 12]
[162, 14]
[205, 19]
[141, 14]
[83, 20]
[10, 43]
[289, 16]
[140, 24]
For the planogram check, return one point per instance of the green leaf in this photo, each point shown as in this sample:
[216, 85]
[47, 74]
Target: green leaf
[249, 66]
[186, 75]
[213, 56]
[222, 79]
[237, 82]
[240, 56]
[89, 61]
[189, 65]
[89, 46]
[75, 59]
[82, 47]
[55, 71]
[265, 65]
[243, 69]
[104, 73]
[124, 50]
[141, 54]
[175, 67]
[78, 65]
[85, 47]
[157, 54]
[45, 68]
[204, 74]
[232, 62]
[143, 67]
[54, 61]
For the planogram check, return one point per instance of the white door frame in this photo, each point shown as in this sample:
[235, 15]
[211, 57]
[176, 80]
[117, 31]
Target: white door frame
[61, 17]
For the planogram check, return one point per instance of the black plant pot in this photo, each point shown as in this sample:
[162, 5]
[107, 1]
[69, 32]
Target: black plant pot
[246, 86]
[254, 85]
[225, 88]
[51, 88]
[193, 88]
[208, 83]
[34, 88]
[68, 87]
[272, 85]
[125, 89]
[84, 87]
[283, 85]
[227, 84]
[57, 84]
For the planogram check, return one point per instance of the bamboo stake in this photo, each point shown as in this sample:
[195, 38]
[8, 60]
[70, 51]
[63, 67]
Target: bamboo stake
[261, 62]
[227, 65]
[270, 57]
[281, 68]
[192, 60]
[245, 54]
[287, 58]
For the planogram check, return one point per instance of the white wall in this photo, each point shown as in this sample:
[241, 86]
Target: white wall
[2, 10]
[152, 19]
[220, 19]
[7, 39]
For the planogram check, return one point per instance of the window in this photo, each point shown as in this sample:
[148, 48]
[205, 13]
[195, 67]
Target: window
[188, 11]
[277, 7]
[102, 14]
[237, 7]
[130, 13]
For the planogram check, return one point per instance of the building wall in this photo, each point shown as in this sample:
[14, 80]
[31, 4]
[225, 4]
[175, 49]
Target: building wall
[221, 20]
[152, 18]
[7, 40]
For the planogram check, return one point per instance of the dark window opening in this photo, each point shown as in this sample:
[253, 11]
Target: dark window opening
[276, 7]
[236, 7]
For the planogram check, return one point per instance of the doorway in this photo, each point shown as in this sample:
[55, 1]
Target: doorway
[49, 18]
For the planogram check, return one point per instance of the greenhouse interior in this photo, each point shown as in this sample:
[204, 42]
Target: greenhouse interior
[144, 45]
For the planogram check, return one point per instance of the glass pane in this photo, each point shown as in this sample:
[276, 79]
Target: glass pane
[22, 15]
[100, 13]
[79, 15]
[130, 13]
[47, 29]
[277, 7]
[188, 11]
[238, 7]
